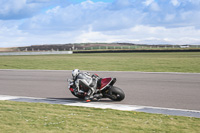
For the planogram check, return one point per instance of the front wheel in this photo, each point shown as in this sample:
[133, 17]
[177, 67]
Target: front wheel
[116, 93]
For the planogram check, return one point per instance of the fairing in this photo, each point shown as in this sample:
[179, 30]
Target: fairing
[105, 82]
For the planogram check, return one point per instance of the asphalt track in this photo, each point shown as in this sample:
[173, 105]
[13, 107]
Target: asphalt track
[167, 90]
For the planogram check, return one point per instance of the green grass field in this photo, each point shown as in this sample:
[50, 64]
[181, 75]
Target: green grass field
[19, 117]
[22, 117]
[147, 62]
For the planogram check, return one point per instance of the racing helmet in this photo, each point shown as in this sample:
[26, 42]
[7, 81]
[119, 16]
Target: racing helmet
[75, 72]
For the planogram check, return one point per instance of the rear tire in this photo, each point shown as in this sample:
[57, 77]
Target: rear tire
[118, 93]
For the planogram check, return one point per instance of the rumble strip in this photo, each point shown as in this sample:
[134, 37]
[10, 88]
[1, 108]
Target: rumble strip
[147, 109]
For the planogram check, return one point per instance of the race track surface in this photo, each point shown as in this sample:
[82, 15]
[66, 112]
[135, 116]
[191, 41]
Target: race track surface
[168, 90]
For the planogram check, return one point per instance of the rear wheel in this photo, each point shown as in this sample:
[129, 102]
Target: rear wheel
[117, 94]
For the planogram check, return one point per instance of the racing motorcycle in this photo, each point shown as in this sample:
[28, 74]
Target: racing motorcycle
[105, 89]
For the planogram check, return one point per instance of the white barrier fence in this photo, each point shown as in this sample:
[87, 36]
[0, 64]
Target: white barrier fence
[37, 53]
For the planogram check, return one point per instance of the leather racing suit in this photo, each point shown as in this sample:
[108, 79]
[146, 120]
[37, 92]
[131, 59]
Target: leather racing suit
[84, 79]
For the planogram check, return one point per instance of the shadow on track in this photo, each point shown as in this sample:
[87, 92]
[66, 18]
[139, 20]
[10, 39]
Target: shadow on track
[75, 100]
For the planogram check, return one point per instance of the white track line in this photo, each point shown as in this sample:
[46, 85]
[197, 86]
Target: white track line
[147, 109]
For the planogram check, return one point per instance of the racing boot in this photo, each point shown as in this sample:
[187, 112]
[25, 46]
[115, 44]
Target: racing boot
[88, 98]
[90, 94]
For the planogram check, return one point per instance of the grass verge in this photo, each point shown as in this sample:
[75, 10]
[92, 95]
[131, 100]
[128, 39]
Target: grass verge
[147, 62]
[37, 117]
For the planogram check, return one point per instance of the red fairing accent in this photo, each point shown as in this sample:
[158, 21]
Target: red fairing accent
[105, 82]
[72, 90]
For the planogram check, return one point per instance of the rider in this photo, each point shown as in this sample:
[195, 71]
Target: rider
[84, 78]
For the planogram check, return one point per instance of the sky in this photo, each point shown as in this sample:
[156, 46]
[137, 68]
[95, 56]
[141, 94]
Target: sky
[37, 22]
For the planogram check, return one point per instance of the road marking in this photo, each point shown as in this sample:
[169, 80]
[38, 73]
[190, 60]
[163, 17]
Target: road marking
[147, 109]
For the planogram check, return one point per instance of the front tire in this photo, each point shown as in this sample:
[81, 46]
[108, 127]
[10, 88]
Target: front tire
[117, 94]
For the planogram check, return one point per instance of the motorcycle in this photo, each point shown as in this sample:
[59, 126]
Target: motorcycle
[105, 89]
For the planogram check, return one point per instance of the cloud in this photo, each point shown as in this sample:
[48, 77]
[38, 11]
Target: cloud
[10, 9]
[100, 16]
[175, 2]
[139, 21]
[20, 9]
[106, 16]
[72, 17]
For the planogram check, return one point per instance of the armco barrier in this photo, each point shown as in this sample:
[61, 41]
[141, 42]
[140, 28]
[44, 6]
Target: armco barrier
[36, 53]
[125, 51]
